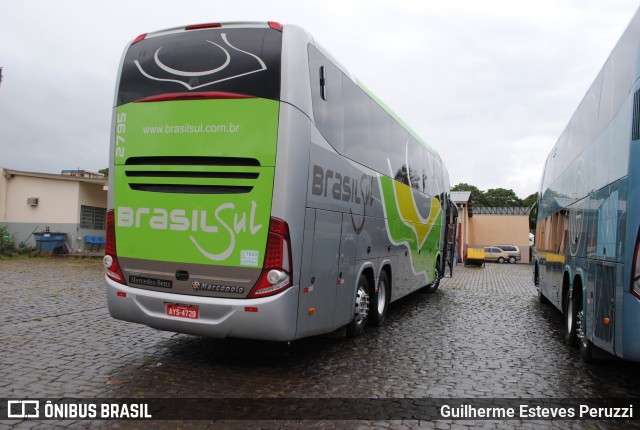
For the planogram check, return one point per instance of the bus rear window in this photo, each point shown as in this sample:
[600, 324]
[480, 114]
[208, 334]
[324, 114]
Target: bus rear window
[233, 60]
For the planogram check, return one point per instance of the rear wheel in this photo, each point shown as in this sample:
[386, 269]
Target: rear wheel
[356, 327]
[512, 259]
[380, 301]
[571, 318]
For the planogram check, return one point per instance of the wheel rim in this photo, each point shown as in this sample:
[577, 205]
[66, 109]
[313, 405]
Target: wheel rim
[570, 316]
[362, 305]
[382, 296]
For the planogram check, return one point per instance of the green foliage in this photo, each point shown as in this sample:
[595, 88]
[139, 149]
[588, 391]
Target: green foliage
[501, 197]
[495, 197]
[531, 200]
[477, 196]
[7, 243]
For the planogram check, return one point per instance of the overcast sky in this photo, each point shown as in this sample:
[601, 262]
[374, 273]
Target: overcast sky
[489, 84]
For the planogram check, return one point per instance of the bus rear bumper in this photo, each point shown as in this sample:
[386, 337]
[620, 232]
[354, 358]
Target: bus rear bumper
[268, 318]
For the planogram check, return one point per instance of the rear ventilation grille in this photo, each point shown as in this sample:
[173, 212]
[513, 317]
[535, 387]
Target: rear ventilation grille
[176, 174]
[192, 175]
[191, 189]
[191, 161]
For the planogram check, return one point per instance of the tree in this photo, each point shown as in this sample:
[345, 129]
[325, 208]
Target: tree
[501, 197]
[477, 196]
[495, 197]
[104, 171]
[530, 200]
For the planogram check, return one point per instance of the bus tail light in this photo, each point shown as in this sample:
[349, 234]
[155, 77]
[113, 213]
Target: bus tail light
[276, 271]
[201, 95]
[139, 39]
[203, 26]
[635, 269]
[110, 261]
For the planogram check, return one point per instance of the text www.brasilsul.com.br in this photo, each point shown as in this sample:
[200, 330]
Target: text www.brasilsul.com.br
[191, 128]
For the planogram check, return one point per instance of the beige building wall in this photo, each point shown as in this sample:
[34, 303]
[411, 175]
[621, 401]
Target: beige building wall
[92, 195]
[57, 200]
[3, 197]
[58, 208]
[492, 229]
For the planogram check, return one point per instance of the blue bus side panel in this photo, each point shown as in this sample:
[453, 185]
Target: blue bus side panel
[630, 337]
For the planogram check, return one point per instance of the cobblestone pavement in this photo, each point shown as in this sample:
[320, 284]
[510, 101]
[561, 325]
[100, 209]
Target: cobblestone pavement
[481, 335]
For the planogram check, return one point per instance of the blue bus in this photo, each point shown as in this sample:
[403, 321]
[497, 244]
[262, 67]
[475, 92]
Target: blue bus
[587, 233]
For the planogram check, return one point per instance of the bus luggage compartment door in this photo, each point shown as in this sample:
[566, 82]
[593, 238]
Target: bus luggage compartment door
[319, 272]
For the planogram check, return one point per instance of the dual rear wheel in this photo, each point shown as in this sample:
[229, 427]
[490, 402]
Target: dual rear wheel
[575, 327]
[370, 304]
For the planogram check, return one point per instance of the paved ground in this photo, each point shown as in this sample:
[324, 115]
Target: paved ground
[481, 335]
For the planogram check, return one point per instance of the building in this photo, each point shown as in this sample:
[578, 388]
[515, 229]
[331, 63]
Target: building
[501, 226]
[463, 202]
[487, 226]
[72, 204]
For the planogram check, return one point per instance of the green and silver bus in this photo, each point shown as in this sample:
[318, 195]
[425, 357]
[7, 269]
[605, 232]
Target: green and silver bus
[256, 190]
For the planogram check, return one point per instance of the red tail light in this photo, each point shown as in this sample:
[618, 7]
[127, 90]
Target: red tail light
[139, 38]
[201, 26]
[110, 261]
[635, 269]
[275, 25]
[194, 96]
[276, 271]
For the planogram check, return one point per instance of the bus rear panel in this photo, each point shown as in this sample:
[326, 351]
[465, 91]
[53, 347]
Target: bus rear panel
[194, 148]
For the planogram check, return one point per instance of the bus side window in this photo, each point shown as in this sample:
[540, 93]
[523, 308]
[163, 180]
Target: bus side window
[379, 138]
[323, 84]
[356, 123]
[399, 141]
[327, 97]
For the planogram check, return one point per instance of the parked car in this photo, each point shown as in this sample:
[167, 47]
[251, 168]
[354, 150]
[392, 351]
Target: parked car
[493, 253]
[513, 251]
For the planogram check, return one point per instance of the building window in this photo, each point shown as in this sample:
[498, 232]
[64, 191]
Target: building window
[92, 218]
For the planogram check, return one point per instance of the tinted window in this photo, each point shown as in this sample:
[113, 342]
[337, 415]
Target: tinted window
[235, 60]
[398, 152]
[414, 157]
[326, 91]
[356, 121]
[379, 139]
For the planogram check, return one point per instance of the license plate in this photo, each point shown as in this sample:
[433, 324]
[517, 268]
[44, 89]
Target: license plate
[182, 311]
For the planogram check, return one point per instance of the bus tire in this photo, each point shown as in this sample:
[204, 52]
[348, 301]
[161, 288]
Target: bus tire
[572, 306]
[380, 301]
[361, 309]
